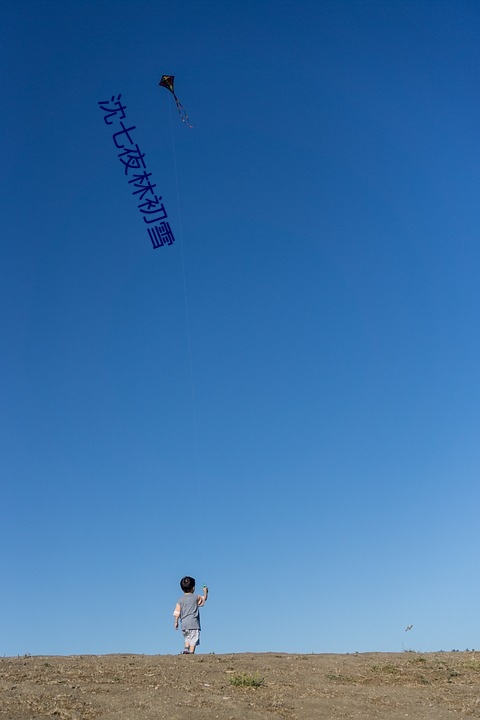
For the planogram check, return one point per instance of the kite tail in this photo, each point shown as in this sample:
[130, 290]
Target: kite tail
[182, 112]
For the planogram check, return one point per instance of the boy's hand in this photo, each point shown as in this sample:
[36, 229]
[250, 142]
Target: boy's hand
[176, 615]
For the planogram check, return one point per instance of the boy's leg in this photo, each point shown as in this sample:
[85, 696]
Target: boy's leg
[192, 638]
[195, 640]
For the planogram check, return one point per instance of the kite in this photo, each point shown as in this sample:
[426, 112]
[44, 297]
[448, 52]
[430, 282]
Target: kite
[408, 628]
[167, 82]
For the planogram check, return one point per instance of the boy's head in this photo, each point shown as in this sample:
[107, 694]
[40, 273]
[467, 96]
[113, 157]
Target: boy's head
[187, 584]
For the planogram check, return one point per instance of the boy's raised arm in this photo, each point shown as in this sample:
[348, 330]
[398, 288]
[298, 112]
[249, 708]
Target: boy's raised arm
[202, 599]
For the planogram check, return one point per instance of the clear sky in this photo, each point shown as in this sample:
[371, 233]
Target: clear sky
[323, 478]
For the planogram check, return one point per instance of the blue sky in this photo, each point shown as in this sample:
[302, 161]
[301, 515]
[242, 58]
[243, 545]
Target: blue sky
[324, 479]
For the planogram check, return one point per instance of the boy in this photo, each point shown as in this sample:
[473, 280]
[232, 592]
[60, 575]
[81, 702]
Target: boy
[187, 610]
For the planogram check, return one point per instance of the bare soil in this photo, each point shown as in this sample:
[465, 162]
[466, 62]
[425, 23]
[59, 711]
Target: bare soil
[436, 686]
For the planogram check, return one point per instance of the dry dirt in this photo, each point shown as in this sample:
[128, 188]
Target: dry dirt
[141, 687]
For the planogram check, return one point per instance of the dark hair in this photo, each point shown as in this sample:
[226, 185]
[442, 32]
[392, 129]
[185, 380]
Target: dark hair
[187, 584]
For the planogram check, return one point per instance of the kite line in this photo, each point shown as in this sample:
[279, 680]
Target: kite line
[189, 343]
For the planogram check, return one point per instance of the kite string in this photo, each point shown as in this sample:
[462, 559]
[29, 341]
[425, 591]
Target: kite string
[189, 348]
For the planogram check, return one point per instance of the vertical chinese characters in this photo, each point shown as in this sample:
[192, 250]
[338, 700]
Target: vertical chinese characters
[132, 158]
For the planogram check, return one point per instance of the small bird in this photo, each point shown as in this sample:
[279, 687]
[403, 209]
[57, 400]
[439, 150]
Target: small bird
[408, 628]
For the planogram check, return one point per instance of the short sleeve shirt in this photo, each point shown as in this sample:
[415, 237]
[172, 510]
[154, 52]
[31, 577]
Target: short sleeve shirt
[189, 613]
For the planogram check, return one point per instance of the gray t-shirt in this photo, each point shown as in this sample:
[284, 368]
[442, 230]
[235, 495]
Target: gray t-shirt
[189, 613]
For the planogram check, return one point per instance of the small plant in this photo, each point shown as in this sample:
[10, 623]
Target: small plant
[385, 669]
[332, 676]
[473, 664]
[247, 680]
[339, 677]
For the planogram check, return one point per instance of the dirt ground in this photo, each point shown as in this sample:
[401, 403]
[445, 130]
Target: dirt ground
[141, 687]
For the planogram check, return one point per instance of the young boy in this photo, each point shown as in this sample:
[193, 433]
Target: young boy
[187, 610]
